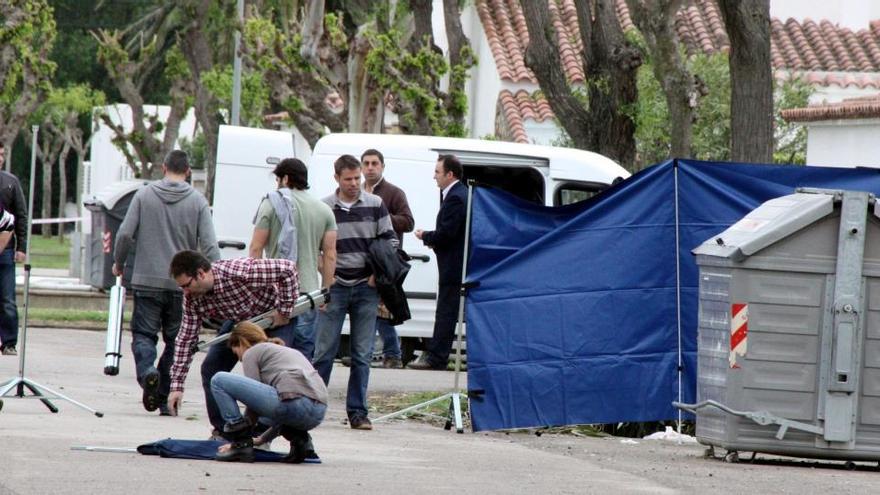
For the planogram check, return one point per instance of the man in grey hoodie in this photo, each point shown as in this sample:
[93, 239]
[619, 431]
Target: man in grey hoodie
[164, 218]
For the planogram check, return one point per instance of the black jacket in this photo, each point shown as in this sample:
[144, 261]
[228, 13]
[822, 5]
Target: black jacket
[447, 240]
[12, 200]
[390, 269]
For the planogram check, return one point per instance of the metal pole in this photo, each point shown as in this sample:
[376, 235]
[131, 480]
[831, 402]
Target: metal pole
[236, 68]
[677, 285]
[460, 327]
[35, 129]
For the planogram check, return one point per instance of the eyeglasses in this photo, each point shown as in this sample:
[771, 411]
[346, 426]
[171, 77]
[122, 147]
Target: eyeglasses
[186, 285]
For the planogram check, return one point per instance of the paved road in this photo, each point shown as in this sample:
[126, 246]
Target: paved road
[396, 458]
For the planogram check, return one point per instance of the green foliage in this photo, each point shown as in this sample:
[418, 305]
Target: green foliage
[196, 149]
[711, 131]
[27, 39]
[791, 138]
[254, 93]
[413, 78]
[336, 31]
[711, 140]
[75, 48]
[277, 49]
[74, 100]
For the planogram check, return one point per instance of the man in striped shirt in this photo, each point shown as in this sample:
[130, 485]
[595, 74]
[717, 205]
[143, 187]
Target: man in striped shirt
[236, 290]
[360, 218]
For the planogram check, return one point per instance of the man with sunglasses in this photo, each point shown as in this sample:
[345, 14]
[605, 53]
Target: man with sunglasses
[163, 218]
[233, 290]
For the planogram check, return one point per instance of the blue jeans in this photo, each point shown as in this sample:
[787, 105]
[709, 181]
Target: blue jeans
[360, 303]
[301, 413]
[221, 358]
[304, 333]
[155, 311]
[388, 334]
[8, 311]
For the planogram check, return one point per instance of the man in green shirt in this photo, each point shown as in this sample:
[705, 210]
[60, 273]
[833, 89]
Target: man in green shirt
[291, 224]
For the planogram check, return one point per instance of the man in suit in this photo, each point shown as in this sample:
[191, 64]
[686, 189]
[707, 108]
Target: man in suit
[447, 241]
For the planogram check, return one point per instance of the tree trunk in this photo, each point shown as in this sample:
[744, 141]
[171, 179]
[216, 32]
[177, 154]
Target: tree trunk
[62, 186]
[751, 79]
[312, 31]
[422, 11]
[48, 163]
[542, 57]
[366, 105]
[458, 43]
[611, 69]
[197, 51]
[656, 21]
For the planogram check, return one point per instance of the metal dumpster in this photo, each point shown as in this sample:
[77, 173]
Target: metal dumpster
[789, 329]
[108, 209]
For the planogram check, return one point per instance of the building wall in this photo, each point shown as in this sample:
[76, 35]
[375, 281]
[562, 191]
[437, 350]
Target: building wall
[484, 84]
[844, 143]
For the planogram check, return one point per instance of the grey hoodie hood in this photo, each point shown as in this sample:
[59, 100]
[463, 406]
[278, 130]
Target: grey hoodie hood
[171, 192]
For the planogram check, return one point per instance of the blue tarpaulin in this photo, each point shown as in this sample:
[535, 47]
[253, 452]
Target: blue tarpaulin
[588, 313]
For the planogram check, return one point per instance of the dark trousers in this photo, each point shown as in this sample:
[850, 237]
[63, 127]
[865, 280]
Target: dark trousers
[8, 311]
[155, 312]
[221, 358]
[445, 320]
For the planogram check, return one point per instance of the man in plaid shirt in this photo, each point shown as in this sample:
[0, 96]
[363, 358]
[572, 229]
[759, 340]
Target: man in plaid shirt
[234, 290]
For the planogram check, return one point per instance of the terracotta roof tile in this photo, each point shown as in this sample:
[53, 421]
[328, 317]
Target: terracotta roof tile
[795, 46]
[853, 108]
[515, 108]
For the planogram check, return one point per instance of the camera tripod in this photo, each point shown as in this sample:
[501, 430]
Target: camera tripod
[19, 383]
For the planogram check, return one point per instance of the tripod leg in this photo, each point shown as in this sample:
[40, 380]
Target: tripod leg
[9, 385]
[58, 395]
[37, 393]
[456, 412]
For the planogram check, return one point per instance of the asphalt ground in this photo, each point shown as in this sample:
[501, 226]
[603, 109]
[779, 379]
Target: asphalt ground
[397, 457]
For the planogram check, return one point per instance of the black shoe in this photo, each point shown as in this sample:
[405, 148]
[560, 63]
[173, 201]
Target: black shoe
[240, 436]
[241, 451]
[151, 398]
[360, 423]
[301, 447]
[423, 363]
[392, 363]
[164, 410]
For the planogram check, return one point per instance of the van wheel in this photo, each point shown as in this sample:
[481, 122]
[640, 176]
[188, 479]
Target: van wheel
[408, 346]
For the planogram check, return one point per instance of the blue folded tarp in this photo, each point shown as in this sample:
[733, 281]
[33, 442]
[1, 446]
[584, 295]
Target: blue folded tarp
[204, 450]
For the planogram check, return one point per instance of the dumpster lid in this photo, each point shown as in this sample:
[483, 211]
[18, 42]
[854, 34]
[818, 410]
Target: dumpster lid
[113, 193]
[770, 223]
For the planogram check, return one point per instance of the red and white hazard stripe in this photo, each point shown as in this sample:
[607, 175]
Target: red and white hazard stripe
[739, 331]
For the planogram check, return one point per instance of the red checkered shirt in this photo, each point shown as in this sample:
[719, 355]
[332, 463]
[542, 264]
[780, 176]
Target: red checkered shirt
[243, 288]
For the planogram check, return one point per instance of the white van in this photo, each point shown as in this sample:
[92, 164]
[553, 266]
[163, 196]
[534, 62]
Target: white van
[246, 157]
[542, 174]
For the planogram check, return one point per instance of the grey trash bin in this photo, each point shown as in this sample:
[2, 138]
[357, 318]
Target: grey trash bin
[789, 329]
[108, 208]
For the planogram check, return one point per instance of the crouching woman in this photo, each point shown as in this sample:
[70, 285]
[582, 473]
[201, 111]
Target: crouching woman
[279, 385]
